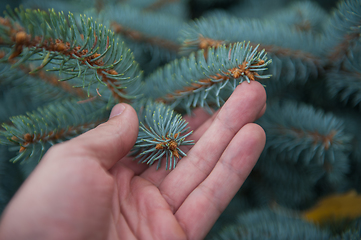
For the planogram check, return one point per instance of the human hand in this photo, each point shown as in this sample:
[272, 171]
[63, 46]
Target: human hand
[86, 188]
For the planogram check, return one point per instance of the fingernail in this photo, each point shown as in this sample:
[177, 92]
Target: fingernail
[117, 109]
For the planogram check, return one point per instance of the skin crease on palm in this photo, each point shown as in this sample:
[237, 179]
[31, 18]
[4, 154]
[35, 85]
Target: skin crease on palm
[86, 188]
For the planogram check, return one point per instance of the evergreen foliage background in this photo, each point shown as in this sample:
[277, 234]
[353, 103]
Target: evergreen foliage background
[168, 57]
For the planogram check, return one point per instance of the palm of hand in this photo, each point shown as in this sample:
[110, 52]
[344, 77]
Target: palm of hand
[89, 194]
[141, 211]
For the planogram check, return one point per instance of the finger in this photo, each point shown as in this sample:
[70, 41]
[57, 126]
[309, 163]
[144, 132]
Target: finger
[198, 117]
[242, 107]
[203, 206]
[110, 141]
[260, 114]
[206, 124]
[203, 128]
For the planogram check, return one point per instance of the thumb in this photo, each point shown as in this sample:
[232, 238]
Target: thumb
[112, 140]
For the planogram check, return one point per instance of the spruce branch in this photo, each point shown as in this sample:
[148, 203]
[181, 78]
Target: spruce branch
[157, 29]
[295, 53]
[159, 4]
[177, 9]
[65, 5]
[300, 133]
[41, 84]
[161, 133]
[204, 43]
[34, 133]
[272, 224]
[212, 31]
[153, 37]
[193, 81]
[305, 16]
[353, 232]
[297, 181]
[137, 36]
[53, 80]
[89, 50]
[15, 101]
[346, 85]
[343, 30]
[11, 178]
[345, 82]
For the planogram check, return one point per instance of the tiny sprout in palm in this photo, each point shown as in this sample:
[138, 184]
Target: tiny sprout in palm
[161, 133]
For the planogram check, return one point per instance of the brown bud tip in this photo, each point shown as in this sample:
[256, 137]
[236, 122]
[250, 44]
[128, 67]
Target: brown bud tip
[14, 138]
[203, 44]
[28, 137]
[135, 35]
[175, 153]
[22, 149]
[2, 20]
[172, 145]
[20, 37]
[112, 72]
[159, 146]
[5, 22]
[18, 50]
[2, 53]
[236, 72]
[117, 28]
[60, 47]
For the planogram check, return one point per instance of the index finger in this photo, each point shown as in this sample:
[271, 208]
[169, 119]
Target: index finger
[243, 107]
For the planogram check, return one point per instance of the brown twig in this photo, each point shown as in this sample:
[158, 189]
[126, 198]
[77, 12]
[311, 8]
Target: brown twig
[158, 4]
[232, 73]
[140, 37]
[326, 140]
[52, 135]
[205, 43]
[342, 48]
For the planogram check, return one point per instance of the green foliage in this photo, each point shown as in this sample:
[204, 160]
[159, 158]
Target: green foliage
[34, 133]
[304, 134]
[62, 6]
[312, 118]
[199, 81]
[268, 224]
[10, 176]
[89, 51]
[305, 148]
[11, 107]
[152, 37]
[176, 9]
[161, 133]
[343, 30]
[295, 54]
[304, 16]
[298, 183]
[38, 87]
[345, 84]
[354, 231]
